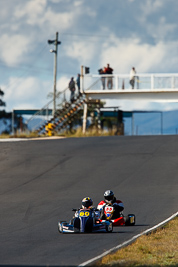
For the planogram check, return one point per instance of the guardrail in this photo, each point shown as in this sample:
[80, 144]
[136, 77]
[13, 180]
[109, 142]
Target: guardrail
[143, 81]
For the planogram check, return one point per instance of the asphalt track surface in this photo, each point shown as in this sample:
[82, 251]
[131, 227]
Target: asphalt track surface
[41, 181]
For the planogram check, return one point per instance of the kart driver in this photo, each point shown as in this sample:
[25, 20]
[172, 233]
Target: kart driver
[110, 199]
[87, 203]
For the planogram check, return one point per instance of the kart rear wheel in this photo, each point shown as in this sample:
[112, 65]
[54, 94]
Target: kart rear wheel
[129, 220]
[109, 228]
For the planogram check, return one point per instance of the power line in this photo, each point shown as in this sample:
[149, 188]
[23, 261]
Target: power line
[84, 34]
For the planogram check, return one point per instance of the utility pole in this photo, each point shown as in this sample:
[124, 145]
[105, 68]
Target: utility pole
[56, 43]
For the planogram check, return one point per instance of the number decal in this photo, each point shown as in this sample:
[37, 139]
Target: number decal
[86, 213]
[109, 209]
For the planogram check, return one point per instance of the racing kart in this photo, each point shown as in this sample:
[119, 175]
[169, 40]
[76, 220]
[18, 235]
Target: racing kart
[128, 220]
[85, 222]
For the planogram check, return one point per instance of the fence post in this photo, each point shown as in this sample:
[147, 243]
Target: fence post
[84, 117]
[152, 82]
[173, 82]
[116, 82]
[13, 122]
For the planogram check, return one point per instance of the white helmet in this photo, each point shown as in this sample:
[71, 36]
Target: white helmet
[108, 196]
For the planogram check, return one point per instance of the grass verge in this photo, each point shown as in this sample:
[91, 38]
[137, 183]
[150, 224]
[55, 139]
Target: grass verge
[74, 133]
[89, 133]
[159, 248]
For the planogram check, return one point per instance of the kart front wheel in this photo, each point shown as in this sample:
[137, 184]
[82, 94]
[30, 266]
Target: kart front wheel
[60, 229]
[60, 226]
[76, 223]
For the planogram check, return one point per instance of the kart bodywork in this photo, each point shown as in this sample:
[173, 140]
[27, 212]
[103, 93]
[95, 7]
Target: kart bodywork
[85, 222]
[128, 220]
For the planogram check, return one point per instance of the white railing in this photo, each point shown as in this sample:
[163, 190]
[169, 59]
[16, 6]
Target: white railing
[143, 81]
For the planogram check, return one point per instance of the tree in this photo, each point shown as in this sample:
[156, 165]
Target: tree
[2, 103]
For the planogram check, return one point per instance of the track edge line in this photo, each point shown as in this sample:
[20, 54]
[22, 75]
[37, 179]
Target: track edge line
[129, 241]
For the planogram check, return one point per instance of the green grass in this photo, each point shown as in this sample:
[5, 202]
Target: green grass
[156, 249]
[25, 135]
[74, 133]
[89, 133]
[77, 133]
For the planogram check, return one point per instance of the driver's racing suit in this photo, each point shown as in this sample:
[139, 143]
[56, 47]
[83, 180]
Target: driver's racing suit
[118, 208]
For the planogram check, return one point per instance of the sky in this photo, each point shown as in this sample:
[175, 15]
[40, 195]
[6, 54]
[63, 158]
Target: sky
[124, 33]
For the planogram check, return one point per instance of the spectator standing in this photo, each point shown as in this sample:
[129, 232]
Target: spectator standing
[78, 83]
[132, 77]
[102, 72]
[72, 89]
[109, 70]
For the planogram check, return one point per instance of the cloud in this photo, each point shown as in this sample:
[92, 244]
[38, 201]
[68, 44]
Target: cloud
[122, 54]
[83, 51]
[30, 93]
[62, 86]
[93, 33]
[158, 18]
[162, 29]
[78, 3]
[56, 1]
[31, 10]
[62, 83]
[38, 13]
[150, 6]
[13, 48]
